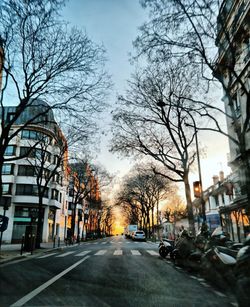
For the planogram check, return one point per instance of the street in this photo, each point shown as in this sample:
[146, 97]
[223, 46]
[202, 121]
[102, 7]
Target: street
[107, 272]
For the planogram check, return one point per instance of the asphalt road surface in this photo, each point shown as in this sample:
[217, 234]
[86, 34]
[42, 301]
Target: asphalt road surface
[107, 272]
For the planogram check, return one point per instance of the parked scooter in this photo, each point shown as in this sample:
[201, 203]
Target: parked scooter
[219, 259]
[186, 253]
[242, 272]
[166, 247]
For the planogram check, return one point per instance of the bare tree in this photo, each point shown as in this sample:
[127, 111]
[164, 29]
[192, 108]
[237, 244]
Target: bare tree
[200, 32]
[152, 121]
[42, 59]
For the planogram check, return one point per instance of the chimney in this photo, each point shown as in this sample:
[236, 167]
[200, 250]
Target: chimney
[215, 179]
[221, 175]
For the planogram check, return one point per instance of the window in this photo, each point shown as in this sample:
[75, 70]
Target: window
[35, 135]
[54, 194]
[30, 134]
[10, 116]
[25, 150]
[6, 188]
[29, 189]
[46, 173]
[236, 105]
[24, 189]
[10, 150]
[56, 158]
[26, 170]
[7, 169]
[56, 178]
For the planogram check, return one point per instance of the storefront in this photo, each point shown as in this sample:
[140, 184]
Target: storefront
[235, 219]
[23, 217]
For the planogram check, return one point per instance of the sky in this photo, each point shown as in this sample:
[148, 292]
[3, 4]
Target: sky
[114, 23]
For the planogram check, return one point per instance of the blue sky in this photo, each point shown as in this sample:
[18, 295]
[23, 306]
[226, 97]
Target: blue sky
[114, 24]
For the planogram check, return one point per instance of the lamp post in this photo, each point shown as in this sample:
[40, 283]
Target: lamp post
[200, 178]
[201, 195]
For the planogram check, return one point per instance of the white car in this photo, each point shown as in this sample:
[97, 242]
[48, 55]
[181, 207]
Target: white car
[139, 235]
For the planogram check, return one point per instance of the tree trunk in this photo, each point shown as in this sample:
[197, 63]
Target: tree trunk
[189, 204]
[39, 223]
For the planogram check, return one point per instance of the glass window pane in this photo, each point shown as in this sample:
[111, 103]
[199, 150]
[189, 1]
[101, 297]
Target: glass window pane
[10, 150]
[25, 134]
[7, 169]
[6, 188]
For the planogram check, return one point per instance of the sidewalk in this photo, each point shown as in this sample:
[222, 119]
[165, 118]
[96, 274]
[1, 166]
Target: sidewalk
[10, 252]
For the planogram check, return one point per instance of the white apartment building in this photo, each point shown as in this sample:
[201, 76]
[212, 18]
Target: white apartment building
[20, 178]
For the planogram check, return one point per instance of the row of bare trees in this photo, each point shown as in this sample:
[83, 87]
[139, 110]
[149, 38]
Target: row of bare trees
[140, 195]
[171, 99]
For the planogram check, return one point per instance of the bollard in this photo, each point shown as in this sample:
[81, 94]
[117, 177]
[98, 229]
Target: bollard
[32, 244]
[22, 245]
[58, 242]
[54, 242]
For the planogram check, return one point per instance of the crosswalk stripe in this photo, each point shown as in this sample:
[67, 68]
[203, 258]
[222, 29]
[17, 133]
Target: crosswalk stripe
[135, 252]
[83, 253]
[64, 254]
[46, 256]
[118, 252]
[104, 243]
[101, 252]
[95, 243]
[152, 253]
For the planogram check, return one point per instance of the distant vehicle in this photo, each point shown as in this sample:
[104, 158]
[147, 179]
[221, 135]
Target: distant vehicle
[139, 235]
[129, 230]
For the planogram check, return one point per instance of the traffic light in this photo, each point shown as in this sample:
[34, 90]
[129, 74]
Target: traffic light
[197, 189]
[3, 223]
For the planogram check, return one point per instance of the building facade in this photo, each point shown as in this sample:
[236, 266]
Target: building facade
[233, 69]
[42, 168]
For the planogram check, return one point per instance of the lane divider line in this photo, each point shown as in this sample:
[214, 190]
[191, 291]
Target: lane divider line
[46, 256]
[38, 290]
[64, 254]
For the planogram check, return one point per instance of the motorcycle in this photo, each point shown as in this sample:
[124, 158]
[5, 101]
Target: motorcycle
[186, 252]
[166, 247]
[219, 259]
[242, 273]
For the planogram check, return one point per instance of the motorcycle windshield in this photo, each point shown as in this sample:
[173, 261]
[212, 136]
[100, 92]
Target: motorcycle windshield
[217, 232]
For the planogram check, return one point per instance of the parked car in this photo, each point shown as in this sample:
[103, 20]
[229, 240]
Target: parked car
[139, 235]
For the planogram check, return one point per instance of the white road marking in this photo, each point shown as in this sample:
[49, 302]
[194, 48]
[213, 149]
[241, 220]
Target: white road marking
[95, 243]
[135, 252]
[101, 252]
[104, 242]
[152, 253]
[118, 252]
[33, 293]
[205, 284]
[219, 293]
[64, 254]
[82, 253]
[46, 256]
